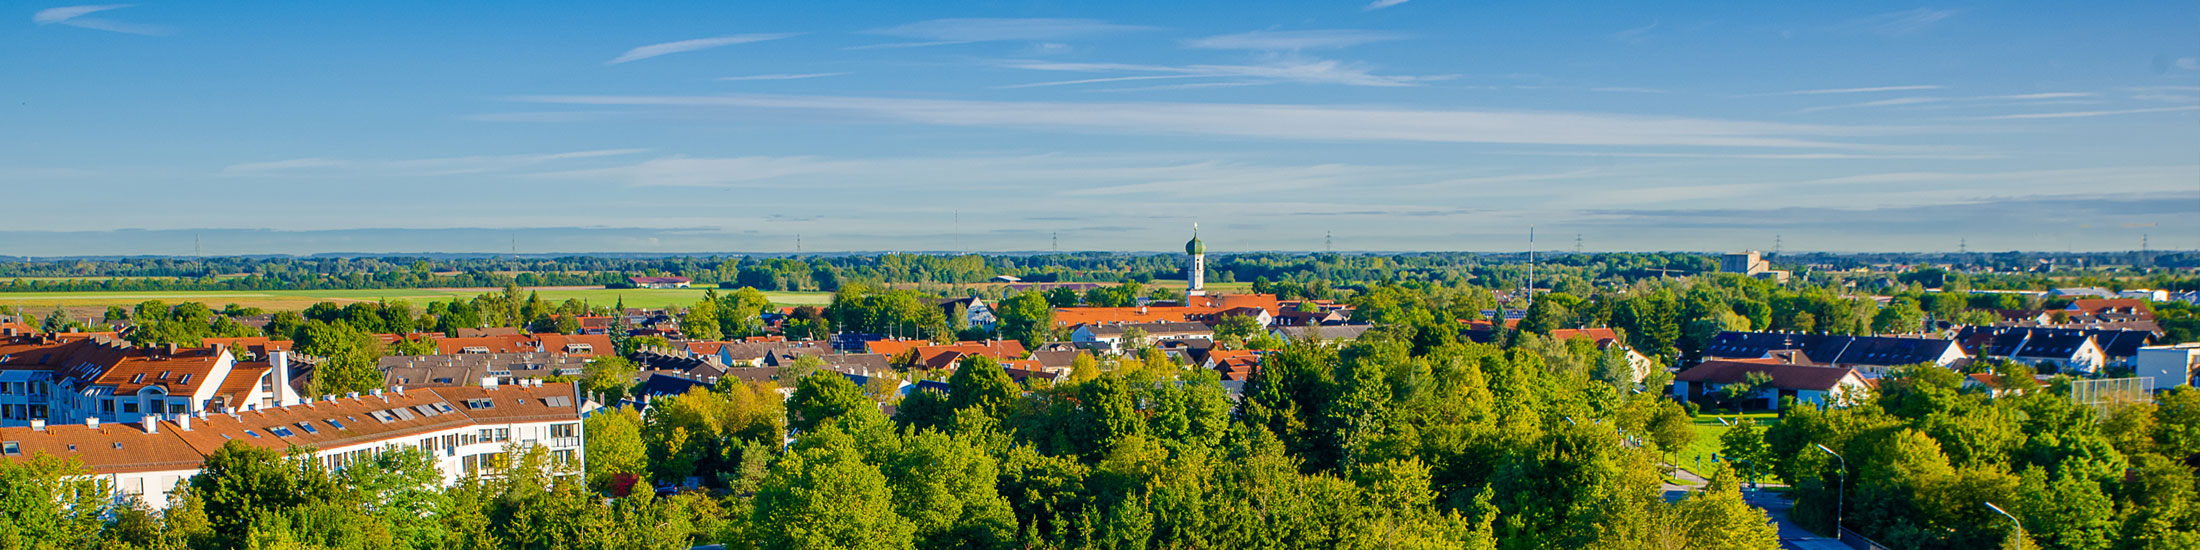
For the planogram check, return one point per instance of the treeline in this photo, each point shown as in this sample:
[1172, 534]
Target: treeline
[827, 273]
[1925, 454]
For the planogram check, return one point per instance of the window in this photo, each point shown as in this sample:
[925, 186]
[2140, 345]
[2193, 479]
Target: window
[563, 456]
[504, 434]
[107, 406]
[564, 430]
[130, 407]
[338, 425]
[185, 380]
[252, 433]
[137, 378]
[280, 431]
[308, 427]
[4, 388]
[164, 375]
[10, 448]
[177, 407]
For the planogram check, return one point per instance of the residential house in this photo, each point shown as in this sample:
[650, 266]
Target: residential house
[1606, 339]
[2170, 366]
[1325, 333]
[1808, 384]
[472, 369]
[658, 282]
[1874, 356]
[1110, 337]
[973, 311]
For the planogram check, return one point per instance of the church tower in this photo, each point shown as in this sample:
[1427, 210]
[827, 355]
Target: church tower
[1195, 276]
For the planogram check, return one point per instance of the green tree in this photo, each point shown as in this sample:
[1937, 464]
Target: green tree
[980, 385]
[1717, 517]
[820, 398]
[348, 355]
[50, 502]
[609, 377]
[615, 448]
[825, 495]
[701, 321]
[1745, 443]
[1026, 318]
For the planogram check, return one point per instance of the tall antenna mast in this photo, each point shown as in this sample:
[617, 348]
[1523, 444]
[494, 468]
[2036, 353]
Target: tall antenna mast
[1775, 244]
[198, 245]
[1329, 243]
[958, 230]
[1577, 243]
[798, 243]
[1054, 241]
[1531, 266]
[1963, 246]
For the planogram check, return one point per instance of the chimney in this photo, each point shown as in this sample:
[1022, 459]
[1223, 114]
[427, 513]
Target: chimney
[400, 389]
[378, 393]
[38, 425]
[91, 423]
[171, 349]
[488, 382]
[183, 422]
[281, 361]
[353, 395]
[150, 422]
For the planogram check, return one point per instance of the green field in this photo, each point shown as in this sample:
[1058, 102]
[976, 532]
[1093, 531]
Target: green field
[280, 300]
[1708, 429]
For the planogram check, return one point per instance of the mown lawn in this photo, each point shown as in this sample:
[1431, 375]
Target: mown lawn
[1708, 429]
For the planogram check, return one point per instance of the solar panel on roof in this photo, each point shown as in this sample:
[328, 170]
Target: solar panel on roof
[382, 416]
[426, 410]
[405, 414]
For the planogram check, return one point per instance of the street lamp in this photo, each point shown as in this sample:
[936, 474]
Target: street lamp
[1840, 493]
[2012, 519]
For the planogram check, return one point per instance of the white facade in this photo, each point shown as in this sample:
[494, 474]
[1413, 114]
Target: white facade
[2170, 366]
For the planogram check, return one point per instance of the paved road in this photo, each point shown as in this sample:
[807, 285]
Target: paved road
[1792, 536]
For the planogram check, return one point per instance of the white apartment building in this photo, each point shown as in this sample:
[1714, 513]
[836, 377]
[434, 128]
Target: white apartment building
[470, 431]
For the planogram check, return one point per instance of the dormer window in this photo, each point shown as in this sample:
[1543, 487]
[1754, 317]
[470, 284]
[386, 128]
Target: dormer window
[137, 378]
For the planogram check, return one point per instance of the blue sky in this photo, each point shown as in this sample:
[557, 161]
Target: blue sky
[298, 127]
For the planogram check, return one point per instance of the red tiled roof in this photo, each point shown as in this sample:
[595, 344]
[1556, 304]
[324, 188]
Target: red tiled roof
[1784, 376]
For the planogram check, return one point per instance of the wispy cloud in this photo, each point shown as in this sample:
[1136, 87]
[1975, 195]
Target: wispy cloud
[779, 76]
[1302, 72]
[1273, 41]
[416, 167]
[1873, 89]
[1380, 4]
[940, 32]
[705, 172]
[1289, 122]
[654, 50]
[1634, 35]
[2084, 114]
[74, 16]
[1905, 21]
[1892, 102]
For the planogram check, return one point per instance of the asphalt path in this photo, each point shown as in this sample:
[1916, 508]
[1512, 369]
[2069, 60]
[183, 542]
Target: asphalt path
[1792, 536]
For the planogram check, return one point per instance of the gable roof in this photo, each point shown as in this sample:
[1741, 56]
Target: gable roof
[1784, 376]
